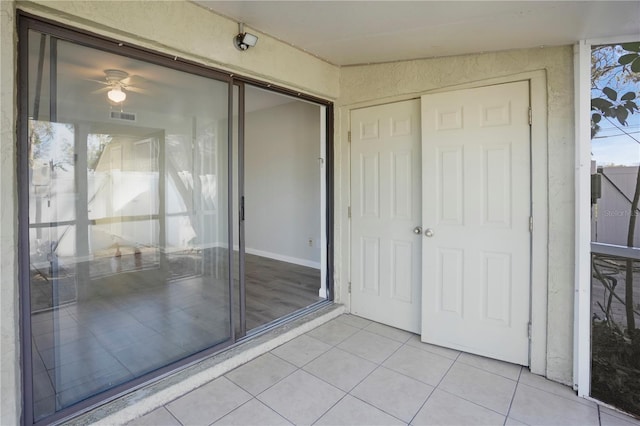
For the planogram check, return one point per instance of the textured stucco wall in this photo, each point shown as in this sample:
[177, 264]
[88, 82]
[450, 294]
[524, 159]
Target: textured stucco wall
[177, 28]
[9, 354]
[192, 32]
[366, 84]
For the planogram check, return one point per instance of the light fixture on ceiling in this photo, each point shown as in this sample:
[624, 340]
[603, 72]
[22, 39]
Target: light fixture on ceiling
[243, 40]
[116, 94]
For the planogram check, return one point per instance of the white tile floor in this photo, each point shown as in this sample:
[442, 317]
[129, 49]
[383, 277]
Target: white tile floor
[351, 371]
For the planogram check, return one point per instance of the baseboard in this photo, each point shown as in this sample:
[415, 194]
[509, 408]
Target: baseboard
[283, 258]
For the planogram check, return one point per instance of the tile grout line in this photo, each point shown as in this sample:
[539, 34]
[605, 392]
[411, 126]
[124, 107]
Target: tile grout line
[513, 396]
[378, 365]
[436, 387]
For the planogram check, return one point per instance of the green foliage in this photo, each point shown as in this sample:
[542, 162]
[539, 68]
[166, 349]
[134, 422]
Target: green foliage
[610, 103]
[615, 367]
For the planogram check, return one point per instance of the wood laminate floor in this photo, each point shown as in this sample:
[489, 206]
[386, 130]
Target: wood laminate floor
[117, 327]
[275, 289]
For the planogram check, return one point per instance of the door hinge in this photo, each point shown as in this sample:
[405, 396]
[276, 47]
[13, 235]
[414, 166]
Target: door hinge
[530, 117]
[349, 287]
[530, 223]
[349, 212]
[529, 330]
[349, 136]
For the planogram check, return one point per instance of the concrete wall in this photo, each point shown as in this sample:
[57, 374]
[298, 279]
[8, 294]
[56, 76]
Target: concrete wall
[380, 83]
[10, 387]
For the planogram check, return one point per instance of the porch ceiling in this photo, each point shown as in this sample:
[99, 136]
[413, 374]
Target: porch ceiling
[358, 32]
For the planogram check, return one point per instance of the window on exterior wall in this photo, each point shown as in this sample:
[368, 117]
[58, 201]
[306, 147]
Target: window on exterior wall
[615, 228]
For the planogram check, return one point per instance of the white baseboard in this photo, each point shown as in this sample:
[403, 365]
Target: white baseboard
[289, 259]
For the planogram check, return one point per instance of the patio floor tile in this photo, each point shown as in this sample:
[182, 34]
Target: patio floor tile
[301, 398]
[394, 393]
[253, 412]
[536, 407]
[333, 332]
[389, 332]
[354, 320]
[341, 369]
[421, 365]
[370, 346]
[301, 350]
[606, 412]
[443, 408]
[208, 403]
[504, 369]
[352, 411]
[415, 342]
[550, 386]
[263, 372]
[351, 371]
[159, 416]
[481, 387]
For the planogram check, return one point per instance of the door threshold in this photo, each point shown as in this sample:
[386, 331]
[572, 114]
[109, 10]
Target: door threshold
[165, 389]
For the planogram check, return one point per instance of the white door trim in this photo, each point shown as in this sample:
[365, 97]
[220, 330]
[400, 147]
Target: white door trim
[539, 196]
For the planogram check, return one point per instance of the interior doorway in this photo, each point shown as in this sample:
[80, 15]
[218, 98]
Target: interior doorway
[280, 180]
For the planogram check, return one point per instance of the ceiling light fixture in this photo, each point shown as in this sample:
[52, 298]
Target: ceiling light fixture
[243, 40]
[116, 94]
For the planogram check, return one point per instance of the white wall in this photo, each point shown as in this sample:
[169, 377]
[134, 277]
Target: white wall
[376, 84]
[282, 182]
[611, 224]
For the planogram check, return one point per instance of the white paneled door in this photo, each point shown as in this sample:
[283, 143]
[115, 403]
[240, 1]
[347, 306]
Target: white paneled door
[385, 211]
[476, 194]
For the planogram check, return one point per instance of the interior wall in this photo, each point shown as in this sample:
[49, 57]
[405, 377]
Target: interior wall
[381, 83]
[282, 182]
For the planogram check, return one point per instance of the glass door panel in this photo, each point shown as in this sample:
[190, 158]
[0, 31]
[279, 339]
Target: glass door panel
[128, 219]
[615, 228]
[282, 158]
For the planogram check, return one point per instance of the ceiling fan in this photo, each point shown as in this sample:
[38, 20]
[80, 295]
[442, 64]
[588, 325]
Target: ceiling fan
[116, 82]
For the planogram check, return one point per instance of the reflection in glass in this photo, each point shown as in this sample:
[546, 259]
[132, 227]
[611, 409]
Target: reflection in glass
[615, 229]
[128, 226]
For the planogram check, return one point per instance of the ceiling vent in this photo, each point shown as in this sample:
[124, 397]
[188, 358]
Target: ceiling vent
[126, 116]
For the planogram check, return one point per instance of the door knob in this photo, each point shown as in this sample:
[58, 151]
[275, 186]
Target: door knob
[428, 232]
[417, 230]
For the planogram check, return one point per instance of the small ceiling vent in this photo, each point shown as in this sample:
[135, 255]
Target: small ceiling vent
[126, 116]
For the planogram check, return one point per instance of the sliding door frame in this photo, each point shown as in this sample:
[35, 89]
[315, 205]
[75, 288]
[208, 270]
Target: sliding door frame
[54, 30]
[27, 22]
[326, 193]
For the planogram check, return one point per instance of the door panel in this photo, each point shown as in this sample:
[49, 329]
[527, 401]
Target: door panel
[385, 173]
[476, 202]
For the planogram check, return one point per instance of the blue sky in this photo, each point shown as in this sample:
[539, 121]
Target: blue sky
[611, 146]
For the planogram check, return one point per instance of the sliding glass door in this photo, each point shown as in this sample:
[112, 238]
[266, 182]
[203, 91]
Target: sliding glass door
[166, 209]
[281, 178]
[124, 171]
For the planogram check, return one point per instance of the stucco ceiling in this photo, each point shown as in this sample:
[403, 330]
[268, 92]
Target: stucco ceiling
[358, 32]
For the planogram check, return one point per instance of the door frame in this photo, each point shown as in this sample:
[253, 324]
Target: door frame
[539, 202]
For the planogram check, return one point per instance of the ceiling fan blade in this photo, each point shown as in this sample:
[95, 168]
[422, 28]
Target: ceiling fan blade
[97, 81]
[134, 80]
[102, 90]
[136, 90]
